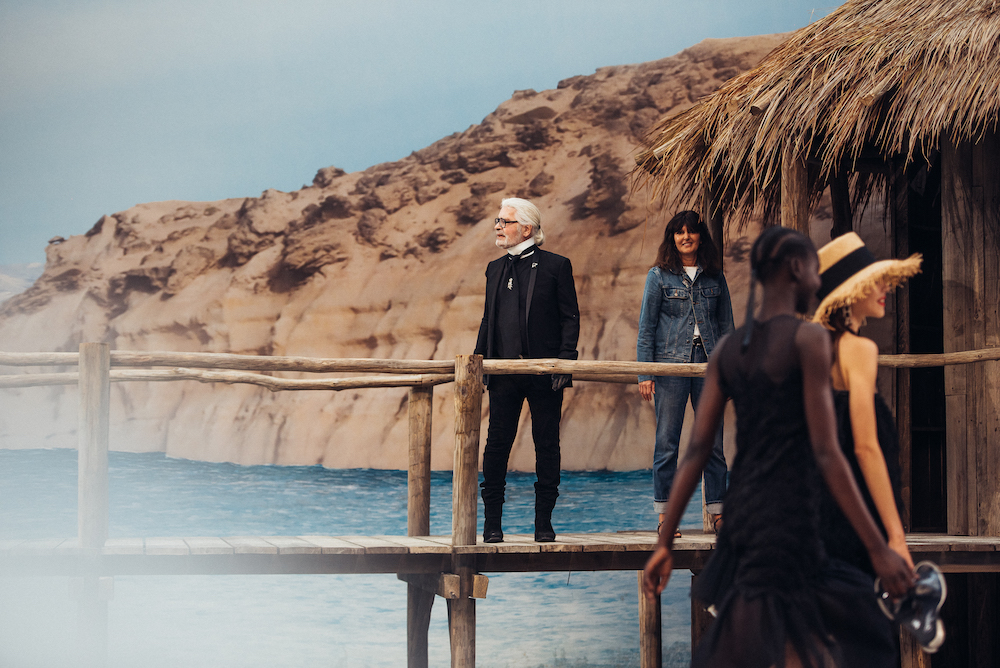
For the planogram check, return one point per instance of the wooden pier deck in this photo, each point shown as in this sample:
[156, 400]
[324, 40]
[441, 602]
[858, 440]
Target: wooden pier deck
[265, 555]
[451, 566]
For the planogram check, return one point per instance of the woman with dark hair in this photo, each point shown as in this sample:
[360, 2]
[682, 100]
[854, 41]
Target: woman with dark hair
[686, 309]
[777, 598]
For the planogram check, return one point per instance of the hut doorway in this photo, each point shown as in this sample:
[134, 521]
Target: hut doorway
[920, 328]
[908, 219]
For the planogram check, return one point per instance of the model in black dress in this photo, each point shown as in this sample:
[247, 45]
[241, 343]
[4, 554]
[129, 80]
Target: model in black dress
[779, 601]
[854, 285]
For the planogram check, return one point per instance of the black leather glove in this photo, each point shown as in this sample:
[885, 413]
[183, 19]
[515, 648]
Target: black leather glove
[560, 380]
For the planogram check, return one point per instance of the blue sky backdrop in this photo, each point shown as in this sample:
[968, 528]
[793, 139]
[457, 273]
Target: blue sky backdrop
[105, 104]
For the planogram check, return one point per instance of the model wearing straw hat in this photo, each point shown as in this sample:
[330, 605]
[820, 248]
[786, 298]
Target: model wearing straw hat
[854, 285]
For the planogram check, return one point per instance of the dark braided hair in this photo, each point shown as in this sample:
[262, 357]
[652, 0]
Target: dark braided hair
[772, 249]
[669, 259]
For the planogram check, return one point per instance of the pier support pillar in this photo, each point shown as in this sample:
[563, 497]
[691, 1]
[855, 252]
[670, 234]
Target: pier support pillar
[468, 416]
[418, 620]
[911, 655]
[701, 619]
[418, 512]
[462, 616]
[650, 638]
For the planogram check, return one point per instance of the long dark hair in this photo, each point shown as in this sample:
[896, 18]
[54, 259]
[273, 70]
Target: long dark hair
[667, 257]
[772, 249]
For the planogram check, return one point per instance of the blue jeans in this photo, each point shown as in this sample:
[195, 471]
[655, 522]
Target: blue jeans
[670, 400]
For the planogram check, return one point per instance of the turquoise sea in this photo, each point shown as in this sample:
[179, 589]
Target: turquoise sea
[578, 619]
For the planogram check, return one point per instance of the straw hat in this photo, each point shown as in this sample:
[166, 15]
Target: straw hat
[849, 272]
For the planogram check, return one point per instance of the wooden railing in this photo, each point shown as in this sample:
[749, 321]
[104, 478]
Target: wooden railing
[98, 366]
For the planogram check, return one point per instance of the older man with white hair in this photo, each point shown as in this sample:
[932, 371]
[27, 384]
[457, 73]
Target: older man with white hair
[531, 312]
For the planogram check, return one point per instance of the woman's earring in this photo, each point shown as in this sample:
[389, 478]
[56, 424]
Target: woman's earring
[847, 317]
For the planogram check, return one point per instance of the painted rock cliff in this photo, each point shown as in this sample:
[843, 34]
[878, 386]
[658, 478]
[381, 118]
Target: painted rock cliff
[384, 263]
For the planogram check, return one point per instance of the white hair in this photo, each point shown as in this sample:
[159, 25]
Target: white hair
[527, 214]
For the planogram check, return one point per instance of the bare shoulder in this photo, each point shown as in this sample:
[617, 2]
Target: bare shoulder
[856, 350]
[814, 349]
[812, 336]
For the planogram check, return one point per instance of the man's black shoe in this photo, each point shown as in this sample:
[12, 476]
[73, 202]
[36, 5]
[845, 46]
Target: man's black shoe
[492, 536]
[919, 612]
[492, 533]
[544, 533]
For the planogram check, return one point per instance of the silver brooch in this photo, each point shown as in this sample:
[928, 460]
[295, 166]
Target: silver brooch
[510, 283]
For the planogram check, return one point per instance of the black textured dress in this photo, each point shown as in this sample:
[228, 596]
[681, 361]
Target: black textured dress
[839, 536]
[769, 577]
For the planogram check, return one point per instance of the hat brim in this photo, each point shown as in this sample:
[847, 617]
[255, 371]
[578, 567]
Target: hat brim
[861, 284]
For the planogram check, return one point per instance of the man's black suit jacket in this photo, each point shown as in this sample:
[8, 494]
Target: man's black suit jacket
[552, 316]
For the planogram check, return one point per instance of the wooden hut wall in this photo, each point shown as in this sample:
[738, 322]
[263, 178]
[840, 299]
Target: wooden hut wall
[970, 202]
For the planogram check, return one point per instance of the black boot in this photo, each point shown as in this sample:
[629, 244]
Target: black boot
[544, 533]
[492, 533]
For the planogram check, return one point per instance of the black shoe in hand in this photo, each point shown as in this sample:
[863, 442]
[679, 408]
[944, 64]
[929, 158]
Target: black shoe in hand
[919, 611]
[544, 533]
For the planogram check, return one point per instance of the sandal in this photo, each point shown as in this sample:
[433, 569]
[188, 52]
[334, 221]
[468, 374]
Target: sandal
[659, 525]
[716, 522]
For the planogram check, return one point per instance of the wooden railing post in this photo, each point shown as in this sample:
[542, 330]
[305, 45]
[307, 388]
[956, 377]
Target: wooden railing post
[92, 433]
[468, 414]
[92, 499]
[418, 523]
[650, 638]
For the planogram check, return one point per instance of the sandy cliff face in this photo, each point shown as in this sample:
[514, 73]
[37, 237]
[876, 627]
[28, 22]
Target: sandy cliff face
[384, 263]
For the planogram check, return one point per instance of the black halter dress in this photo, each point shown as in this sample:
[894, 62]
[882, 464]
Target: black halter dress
[769, 579]
[839, 537]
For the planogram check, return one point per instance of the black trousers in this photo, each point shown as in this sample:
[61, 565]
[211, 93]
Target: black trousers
[507, 395]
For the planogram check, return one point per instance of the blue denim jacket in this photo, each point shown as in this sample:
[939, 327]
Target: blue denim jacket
[670, 304]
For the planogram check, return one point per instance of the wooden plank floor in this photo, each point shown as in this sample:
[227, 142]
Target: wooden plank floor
[402, 554]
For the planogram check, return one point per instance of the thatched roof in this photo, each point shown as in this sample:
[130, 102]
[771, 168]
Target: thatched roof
[876, 78]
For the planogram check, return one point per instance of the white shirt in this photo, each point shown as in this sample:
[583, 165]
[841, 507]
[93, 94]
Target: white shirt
[518, 249]
[691, 271]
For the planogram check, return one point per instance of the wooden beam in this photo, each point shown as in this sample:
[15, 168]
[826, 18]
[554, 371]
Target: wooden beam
[794, 190]
[445, 585]
[278, 363]
[650, 631]
[958, 276]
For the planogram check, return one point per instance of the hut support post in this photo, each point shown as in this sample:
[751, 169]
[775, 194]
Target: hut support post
[650, 640]
[418, 511]
[970, 197]
[840, 200]
[92, 496]
[468, 415]
[794, 191]
[716, 222]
